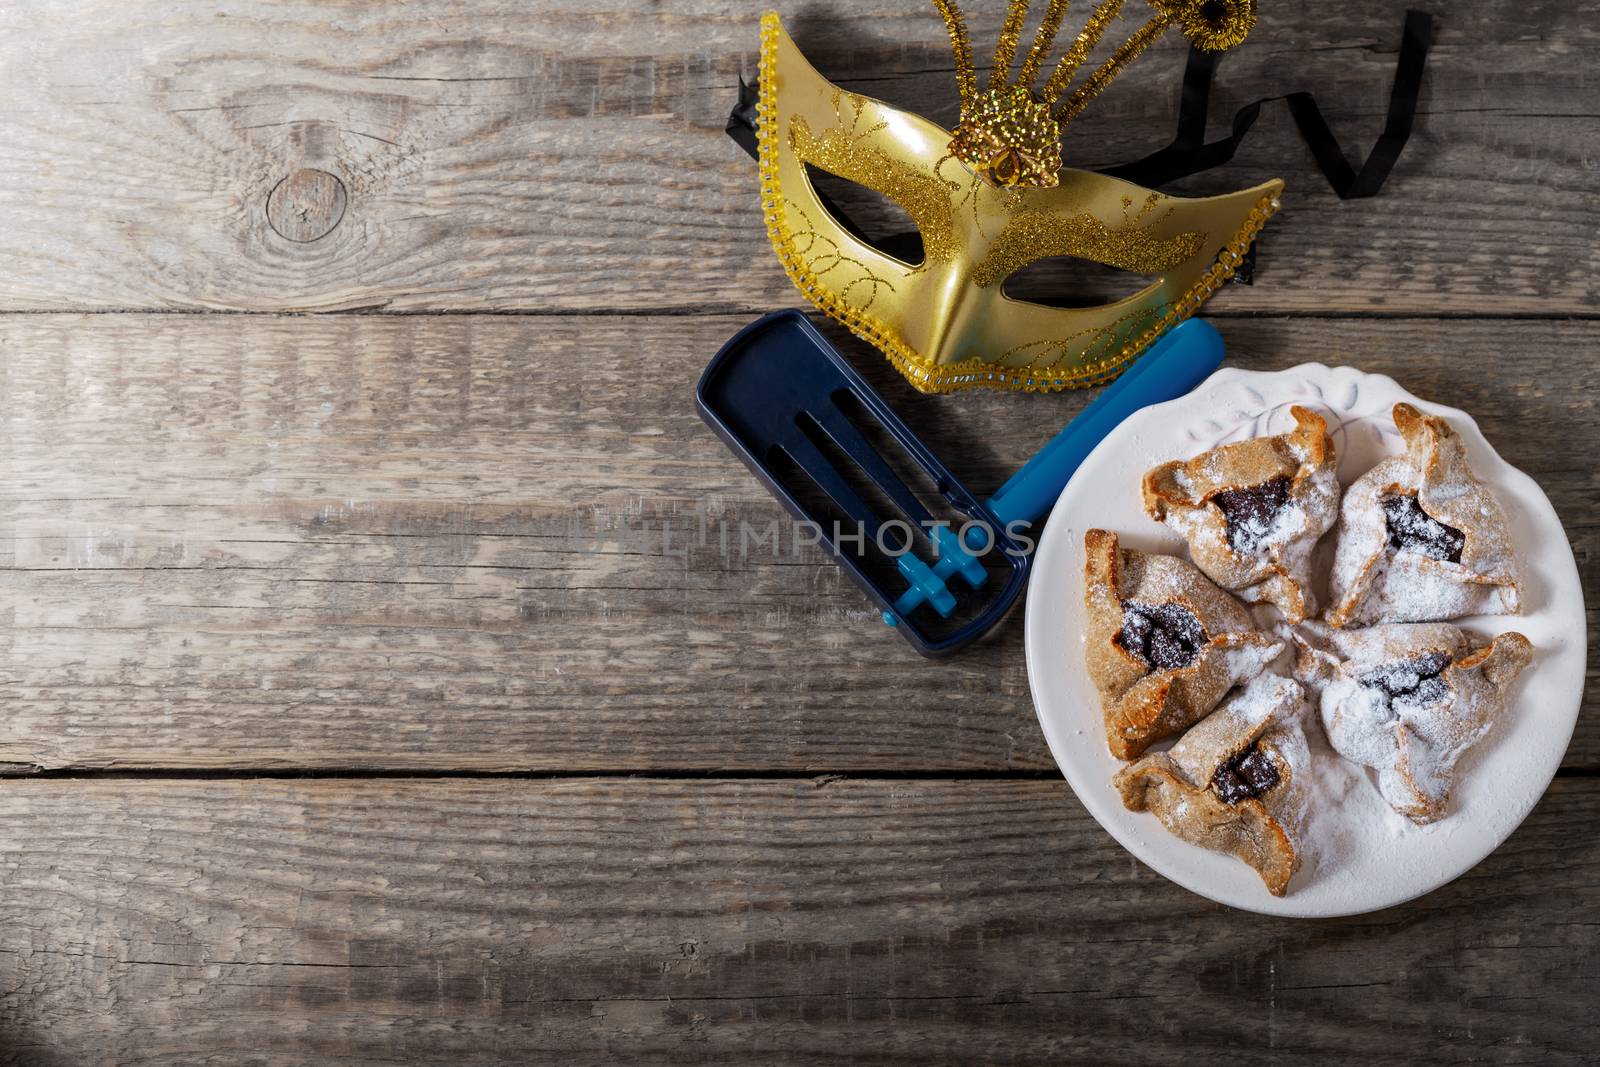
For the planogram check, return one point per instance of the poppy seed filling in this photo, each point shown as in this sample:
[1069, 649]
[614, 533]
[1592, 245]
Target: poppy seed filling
[1413, 530]
[1251, 512]
[1413, 683]
[1166, 636]
[1247, 775]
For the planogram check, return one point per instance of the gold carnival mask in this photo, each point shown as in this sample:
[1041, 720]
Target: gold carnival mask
[988, 201]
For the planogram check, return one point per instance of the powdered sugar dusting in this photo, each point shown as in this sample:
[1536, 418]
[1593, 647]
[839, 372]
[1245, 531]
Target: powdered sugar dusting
[1252, 511]
[1332, 836]
[1371, 857]
[1386, 703]
[1421, 537]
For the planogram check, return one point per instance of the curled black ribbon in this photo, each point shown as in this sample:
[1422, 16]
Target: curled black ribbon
[1190, 153]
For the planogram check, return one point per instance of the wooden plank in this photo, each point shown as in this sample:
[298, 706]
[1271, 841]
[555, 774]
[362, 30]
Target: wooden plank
[500, 154]
[477, 922]
[470, 542]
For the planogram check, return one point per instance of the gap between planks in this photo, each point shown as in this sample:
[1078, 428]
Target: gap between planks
[34, 772]
[378, 311]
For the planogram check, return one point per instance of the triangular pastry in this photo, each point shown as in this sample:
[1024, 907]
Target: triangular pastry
[1409, 700]
[1237, 783]
[1252, 511]
[1420, 537]
[1164, 643]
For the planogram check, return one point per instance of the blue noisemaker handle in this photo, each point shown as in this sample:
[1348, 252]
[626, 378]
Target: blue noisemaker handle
[1173, 366]
[1183, 358]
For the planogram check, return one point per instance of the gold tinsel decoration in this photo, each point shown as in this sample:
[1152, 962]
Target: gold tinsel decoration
[1216, 25]
[1010, 133]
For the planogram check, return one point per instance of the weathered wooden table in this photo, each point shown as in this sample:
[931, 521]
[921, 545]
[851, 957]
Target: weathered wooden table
[370, 697]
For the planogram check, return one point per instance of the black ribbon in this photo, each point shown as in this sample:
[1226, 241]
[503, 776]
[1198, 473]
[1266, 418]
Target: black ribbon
[742, 120]
[1190, 153]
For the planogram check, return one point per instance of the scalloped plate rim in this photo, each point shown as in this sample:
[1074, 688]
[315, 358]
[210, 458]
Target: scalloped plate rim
[1241, 888]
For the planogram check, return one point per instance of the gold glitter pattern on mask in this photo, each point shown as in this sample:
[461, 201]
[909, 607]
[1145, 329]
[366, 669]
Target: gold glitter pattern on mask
[888, 305]
[1094, 345]
[840, 150]
[819, 254]
[1034, 235]
[1009, 138]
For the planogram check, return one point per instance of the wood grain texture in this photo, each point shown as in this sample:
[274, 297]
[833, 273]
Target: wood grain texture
[551, 155]
[306, 205]
[337, 922]
[451, 544]
[470, 542]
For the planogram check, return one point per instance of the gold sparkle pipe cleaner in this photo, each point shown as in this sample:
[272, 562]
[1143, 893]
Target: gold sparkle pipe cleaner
[1141, 39]
[1042, 40]
[1105, 13]
[1006, 47]
[961, 46]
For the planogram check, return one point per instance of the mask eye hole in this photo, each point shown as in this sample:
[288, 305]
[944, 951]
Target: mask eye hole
[868, 216]
[1070, 282]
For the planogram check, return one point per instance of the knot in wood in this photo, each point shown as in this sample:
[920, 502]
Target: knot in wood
[306, 205]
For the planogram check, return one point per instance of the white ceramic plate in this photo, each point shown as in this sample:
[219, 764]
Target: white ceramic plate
[1373, 858]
